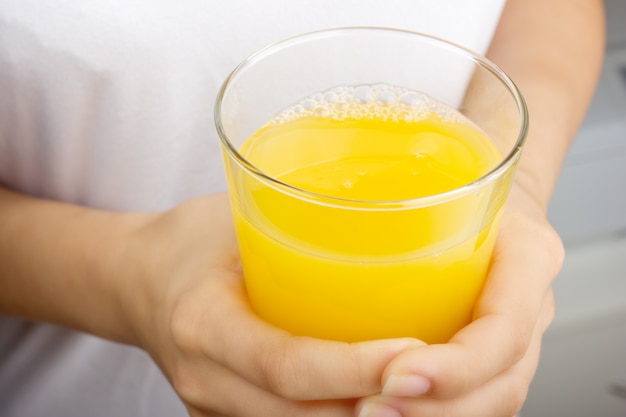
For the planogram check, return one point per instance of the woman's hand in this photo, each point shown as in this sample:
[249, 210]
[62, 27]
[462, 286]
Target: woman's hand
[185, 300]
[189, 311]
[486, 368]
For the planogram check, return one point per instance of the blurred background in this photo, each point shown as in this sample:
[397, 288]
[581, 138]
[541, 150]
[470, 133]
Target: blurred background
[582, 372]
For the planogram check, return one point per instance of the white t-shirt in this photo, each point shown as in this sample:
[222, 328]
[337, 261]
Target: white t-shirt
[109, 104]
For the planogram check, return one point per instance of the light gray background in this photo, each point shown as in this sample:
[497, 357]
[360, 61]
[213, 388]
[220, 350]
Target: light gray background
[582, 372]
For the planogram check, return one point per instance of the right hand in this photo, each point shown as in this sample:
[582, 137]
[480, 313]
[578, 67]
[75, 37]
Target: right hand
[184, 297]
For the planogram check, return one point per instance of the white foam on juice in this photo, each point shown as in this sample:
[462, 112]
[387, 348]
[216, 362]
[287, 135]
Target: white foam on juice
[381, 101]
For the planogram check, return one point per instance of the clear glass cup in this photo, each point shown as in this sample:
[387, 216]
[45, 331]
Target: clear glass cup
[355, 269]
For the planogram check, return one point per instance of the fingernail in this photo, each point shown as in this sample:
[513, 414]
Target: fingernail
[406, 386]
[378, 410]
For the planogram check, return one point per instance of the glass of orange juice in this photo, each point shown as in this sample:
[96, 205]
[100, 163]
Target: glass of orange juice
[367, 169]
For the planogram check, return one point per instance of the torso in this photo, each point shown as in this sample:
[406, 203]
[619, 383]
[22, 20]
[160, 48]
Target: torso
[110, 104]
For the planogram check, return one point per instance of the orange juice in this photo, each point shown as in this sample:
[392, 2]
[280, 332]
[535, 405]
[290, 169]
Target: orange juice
[364, 237]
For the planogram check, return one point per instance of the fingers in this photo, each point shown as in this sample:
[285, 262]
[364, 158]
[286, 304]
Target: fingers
[227, 331]
[208, 315]
[300, 367]
[210, 390]
[524, 264]
[501, 396]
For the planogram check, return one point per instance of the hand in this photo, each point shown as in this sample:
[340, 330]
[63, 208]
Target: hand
[186, 302]
[486, 368]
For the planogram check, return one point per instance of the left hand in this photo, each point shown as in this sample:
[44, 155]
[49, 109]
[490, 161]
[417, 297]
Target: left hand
[486, 368]
[182, 295]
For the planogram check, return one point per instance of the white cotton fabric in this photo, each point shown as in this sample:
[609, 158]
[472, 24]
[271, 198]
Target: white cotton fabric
[109, 104]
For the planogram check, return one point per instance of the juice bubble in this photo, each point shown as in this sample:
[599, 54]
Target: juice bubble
[330, 97]
[377, 101]
[386, 97]
[363, 94]
[412, 99]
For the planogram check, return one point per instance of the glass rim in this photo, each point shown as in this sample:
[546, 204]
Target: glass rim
[506, 162]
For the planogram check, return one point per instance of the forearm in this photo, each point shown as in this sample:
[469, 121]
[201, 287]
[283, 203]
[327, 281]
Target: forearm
[61, 264]
[553, 50]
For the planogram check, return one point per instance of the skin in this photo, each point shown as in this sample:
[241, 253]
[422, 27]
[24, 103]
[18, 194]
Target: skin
[170, 282]
[555, 63]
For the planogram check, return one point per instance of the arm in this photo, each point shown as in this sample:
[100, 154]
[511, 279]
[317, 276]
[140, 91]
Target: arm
[170, 283]
[58, 264]
[553, 51]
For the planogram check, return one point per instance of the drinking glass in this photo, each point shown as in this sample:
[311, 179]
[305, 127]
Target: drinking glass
[358, 269]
